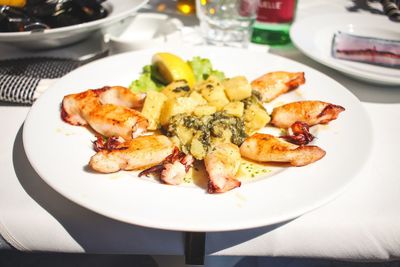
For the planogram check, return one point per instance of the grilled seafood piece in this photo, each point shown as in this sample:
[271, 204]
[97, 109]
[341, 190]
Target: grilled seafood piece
[273, 84]
[138, 153]
[300, 134]
[309, 112]
[108, 110]
[173, 168]
[222, 164]
[120, 96]
[112, 120]
[268, 148]
[109, 143]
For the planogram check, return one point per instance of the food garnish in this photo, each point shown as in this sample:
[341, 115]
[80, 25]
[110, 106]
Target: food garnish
[202, 69]
[152, 76]
[172, 68]
[146, 81]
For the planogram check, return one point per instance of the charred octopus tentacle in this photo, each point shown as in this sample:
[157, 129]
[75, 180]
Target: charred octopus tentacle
[173, 169]
[300, 134]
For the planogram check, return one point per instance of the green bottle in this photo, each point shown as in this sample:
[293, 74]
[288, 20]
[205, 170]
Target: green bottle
[274, 18]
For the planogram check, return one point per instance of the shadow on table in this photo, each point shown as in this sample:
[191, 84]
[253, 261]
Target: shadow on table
[93, 232]
[96, 233]
[220, 241]
[52, 259]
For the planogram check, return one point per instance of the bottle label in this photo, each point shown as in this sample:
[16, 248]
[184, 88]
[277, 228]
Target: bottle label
[276, 11]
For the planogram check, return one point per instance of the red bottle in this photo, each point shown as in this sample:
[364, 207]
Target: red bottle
[274, 18]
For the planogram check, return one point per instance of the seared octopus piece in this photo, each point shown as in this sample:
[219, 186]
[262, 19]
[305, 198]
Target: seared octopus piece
[268, 148]
[135, 154]
[309, 112]
[172, 169]
[273, 84]
[222, 164]
[109, 111]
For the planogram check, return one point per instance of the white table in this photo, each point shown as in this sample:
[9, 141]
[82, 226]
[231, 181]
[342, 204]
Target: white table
[362, 224]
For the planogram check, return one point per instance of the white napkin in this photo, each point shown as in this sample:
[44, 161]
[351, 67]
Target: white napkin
[361, 224]
[35, 217]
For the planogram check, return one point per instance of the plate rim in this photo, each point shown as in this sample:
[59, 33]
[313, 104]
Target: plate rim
[295, 35]
[242, 226]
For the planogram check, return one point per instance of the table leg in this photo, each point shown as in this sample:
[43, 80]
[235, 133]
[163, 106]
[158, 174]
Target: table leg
[194, 248]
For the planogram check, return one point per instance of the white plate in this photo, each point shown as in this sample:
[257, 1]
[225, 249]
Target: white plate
[313, 36]
[60, 152]
[118, 10]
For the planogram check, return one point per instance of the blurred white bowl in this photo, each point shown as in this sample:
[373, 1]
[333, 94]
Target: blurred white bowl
[145, 30]
[118, 10]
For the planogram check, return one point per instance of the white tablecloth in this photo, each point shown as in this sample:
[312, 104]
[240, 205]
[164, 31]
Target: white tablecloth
[361, 224]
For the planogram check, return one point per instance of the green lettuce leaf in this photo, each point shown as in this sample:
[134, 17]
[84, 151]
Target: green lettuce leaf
[150, 80]
[146, 81]
[202, 69]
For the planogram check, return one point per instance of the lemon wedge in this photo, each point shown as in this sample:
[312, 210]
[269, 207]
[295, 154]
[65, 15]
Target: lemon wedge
[14, 3]
[173, 68]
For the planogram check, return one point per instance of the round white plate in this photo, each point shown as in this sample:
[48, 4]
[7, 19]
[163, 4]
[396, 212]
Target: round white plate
[60, 152]
[313, 36]
[118, 10]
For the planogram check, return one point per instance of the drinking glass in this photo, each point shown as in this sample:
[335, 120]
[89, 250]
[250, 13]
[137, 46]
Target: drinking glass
[226, 22]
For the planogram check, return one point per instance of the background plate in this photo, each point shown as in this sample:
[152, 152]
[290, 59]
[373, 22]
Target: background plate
[60, 152]
[313, 36]
[118, 10]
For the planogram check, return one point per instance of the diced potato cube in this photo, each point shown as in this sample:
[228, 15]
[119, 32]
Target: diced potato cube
[220, 133]
[255, 118]
[214, 93]
[184, 134]
[176, 89]
[206, 83]
[152, 107]
[204, 110]
[225, 137]
[198, 98]
[237, 88]
[235, 108]
[197, 149]
[175, 106]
